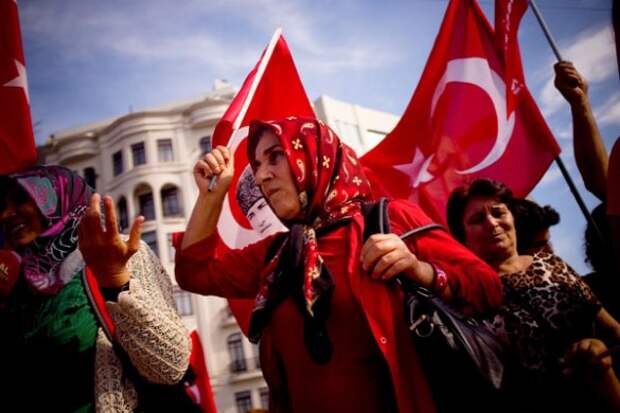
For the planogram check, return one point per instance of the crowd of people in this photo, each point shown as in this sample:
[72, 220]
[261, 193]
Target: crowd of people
[328, 296]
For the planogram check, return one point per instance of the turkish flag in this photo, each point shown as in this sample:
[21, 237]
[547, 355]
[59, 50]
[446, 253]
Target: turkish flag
[201, 392]
[508, 14]
[17, 147]
[272, 90]
[457, 127]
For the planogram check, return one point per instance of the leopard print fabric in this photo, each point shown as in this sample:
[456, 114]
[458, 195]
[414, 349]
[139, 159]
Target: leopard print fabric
[547, 308]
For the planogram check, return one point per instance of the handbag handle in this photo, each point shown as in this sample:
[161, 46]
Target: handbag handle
[384, 228]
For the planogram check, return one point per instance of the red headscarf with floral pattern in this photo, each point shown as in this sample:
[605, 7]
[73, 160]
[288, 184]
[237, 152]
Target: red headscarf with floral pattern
[331, 187]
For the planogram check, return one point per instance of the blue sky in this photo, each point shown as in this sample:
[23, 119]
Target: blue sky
[89, 60]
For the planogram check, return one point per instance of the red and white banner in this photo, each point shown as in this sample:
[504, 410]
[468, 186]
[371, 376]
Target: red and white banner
[457, 126]
[201, 392]
[17, 147]
[272, 90]
[508, 14]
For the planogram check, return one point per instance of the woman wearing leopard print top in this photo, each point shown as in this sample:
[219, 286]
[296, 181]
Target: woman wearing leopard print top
[547, 307]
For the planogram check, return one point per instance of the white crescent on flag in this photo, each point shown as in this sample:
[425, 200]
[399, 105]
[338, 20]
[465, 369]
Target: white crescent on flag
[476, 71]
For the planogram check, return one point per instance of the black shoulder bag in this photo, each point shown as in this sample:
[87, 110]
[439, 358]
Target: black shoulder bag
[461, 357]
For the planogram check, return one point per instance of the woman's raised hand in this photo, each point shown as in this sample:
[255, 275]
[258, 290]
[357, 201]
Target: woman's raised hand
[218, 162]
[102, 247]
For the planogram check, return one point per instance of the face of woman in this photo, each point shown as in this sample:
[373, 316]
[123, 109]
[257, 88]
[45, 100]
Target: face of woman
[20, 218]
[274, 177]
[489, 229]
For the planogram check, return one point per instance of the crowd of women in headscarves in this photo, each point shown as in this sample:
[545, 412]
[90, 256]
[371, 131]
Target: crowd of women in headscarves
[328, 314]
[328, 295]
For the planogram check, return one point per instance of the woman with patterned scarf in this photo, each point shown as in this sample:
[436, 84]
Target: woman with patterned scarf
[54, 355]
[332, 332]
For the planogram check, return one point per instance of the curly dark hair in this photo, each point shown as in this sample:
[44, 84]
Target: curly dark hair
[530, 220]
[598, 252]
[460, 197]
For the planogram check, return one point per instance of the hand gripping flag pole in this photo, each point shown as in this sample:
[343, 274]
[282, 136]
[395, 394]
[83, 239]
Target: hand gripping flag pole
[255, 83]
[558, 160]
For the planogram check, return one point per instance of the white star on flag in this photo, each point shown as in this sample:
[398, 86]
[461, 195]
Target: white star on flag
[21, 80]
[417, 169]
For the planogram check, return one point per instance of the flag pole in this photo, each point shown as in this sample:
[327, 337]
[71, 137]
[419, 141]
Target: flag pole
[246, 103]
[558, 160]
[545, 30]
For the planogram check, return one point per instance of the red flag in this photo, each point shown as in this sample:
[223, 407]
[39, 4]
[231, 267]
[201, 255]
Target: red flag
[16, 137]
[272, 90]
[201, 391]
[508, 14]
[457, 127]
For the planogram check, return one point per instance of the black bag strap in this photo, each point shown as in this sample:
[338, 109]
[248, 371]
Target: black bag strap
[376, 221]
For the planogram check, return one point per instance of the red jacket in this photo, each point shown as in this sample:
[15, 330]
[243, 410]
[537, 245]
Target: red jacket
[235, 274]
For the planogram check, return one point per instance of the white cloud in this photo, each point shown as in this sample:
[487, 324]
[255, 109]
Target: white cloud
[592, 53]
[158, 31]
[566, 133]
[554, 174]
[326, 42]
[609, 112]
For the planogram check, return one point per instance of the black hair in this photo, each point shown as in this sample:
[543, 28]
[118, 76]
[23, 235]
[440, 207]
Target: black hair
[597, 250]
[460, 197]
[530, 220]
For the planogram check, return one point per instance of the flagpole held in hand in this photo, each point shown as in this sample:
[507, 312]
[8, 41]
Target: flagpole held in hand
[558, 160]
[259, 74]
[545, 30]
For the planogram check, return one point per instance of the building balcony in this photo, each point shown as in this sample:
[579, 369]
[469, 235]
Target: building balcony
[73, 150]
[227, 319]
[207, 113]
[245, 369]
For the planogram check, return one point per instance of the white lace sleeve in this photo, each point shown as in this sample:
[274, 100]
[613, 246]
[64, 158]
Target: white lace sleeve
[147, 324]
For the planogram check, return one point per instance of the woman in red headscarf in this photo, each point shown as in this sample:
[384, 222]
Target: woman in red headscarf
[332, 332]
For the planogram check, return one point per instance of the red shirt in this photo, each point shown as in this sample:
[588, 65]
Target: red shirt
[366, 324]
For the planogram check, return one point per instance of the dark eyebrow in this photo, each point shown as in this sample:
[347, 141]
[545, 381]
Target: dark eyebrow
[272, 148]
[266, 152]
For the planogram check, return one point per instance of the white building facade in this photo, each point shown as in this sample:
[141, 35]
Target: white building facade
[144, 161]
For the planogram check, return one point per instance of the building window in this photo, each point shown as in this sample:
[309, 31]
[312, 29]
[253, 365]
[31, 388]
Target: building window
[138, 153]
[123, 217]
[147, 206]
[171, 249]
[150, 238]
[243, 399]
[264, 398]
[90, 176]
[170, 201]
[183, 300]
[256, 356]
[237, 356]
[117, 161]
[164, 150]
[205, 145]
